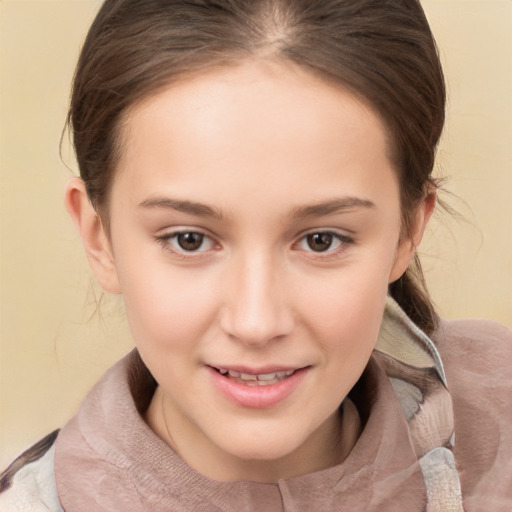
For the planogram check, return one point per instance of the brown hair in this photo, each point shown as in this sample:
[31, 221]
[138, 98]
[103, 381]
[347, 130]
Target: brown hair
[381, 50]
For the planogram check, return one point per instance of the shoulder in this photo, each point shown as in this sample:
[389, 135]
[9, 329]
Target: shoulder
[475, 353]
[29, 482]
[461, 338]
[477, 356]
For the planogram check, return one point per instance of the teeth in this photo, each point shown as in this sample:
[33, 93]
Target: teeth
[248, 376]
[263, 379]
[268, 382]
[267, 376]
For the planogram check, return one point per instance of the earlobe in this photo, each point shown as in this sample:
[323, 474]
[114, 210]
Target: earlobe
[95, 239]
[408, 245]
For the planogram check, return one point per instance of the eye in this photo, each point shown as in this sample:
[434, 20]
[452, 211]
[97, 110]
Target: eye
[323, 241]
[186, 241]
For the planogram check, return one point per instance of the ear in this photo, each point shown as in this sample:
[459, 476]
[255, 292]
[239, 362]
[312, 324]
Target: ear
[407, 246]
[95, 239]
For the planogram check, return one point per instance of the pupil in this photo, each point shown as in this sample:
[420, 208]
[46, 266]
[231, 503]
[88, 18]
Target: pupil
[319, 241]
[190, 241]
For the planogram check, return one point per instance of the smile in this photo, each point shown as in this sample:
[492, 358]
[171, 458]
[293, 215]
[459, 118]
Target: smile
[261, 379]
[253, 389]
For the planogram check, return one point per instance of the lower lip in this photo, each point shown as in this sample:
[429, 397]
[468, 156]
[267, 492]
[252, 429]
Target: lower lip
[257, 397]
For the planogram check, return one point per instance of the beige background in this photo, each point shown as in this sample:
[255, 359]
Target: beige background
[52, 346]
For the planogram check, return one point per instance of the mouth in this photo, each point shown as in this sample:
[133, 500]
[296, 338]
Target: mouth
[255, 379]
[257, 388]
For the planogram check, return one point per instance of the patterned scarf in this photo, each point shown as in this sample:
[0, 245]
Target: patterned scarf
[414, 368]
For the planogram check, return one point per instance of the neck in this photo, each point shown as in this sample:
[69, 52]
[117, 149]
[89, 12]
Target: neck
[327, 446]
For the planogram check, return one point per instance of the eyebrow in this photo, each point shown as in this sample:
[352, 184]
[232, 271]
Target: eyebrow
[332, 207]
[193, 208]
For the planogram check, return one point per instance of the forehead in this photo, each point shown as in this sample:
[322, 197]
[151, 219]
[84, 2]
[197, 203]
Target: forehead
[260, 127]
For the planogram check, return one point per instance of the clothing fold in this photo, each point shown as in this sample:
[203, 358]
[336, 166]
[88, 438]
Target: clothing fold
[435, 417]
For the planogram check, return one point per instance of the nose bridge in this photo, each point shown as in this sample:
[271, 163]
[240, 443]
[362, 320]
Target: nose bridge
[256, 310]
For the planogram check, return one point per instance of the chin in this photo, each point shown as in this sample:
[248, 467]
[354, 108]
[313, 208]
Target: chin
[263, 446]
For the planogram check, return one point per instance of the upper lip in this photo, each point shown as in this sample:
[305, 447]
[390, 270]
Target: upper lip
[262, 370]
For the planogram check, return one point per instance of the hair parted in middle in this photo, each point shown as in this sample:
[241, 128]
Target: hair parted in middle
[382, 51]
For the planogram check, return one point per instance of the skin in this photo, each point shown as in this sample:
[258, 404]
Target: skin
[272, 154]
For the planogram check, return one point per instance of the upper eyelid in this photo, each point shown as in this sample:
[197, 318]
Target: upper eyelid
[169, 232]
[341, 231]
[345, 241]
[167, 235]
[346, 234]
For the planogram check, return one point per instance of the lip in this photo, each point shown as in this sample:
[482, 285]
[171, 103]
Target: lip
[257, 397]
[255, 371]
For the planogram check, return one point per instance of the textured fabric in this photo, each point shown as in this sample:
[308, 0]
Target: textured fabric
[407, 414]
[108, 459]
[414, 367]
[477, 356]
[131, 469]
[32, 488]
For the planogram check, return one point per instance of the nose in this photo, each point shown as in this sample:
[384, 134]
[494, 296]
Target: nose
[257, 309]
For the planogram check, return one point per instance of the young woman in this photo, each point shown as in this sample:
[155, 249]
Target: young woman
[255, 180]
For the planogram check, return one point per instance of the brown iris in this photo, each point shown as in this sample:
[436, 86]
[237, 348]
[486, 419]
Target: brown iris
[319, 242]
[190, 241]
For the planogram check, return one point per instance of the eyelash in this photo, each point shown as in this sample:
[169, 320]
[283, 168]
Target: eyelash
[169, 242]
[343, 242]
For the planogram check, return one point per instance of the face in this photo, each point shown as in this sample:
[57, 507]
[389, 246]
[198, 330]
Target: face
[254, 229]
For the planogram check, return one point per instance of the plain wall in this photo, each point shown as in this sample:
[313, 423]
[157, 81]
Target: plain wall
[52, 345]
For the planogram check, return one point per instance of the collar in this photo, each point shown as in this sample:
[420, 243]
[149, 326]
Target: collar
[415, 370]
[107, 458]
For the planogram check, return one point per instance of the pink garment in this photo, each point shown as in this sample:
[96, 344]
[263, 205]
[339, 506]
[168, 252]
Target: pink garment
[477, 356]
[108, 459]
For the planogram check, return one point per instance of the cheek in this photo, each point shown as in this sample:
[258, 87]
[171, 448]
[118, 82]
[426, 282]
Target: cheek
[351, 293]
[346, 311]
[165, 307]
[354, 323]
